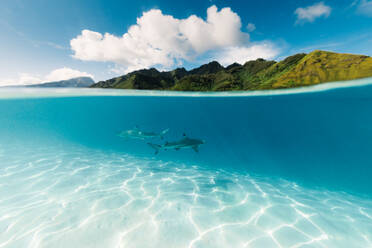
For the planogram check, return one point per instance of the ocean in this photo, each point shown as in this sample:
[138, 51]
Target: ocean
[285, 168]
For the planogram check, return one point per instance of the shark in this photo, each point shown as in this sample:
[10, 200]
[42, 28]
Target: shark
[183, 143]
[136, 133]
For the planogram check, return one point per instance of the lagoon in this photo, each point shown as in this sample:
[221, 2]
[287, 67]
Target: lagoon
[287, 168]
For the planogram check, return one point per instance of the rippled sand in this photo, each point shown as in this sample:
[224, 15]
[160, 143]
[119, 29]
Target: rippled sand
[84, 198]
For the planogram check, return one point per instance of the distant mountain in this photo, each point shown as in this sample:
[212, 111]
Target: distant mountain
[79, 82]
[294, 71]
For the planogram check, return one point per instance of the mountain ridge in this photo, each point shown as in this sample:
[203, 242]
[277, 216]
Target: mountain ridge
[294, 71]
[77, 82]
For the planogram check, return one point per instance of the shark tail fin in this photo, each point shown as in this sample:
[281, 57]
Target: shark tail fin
[164, 132]
[155, 147]
[195, 148]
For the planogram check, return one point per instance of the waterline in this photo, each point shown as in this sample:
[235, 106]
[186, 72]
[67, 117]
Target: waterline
[19, 92]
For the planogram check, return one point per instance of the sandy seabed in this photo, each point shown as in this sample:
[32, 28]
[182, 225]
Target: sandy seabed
[85, 198]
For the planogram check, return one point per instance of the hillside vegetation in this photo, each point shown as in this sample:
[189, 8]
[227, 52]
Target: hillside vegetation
[294, 71]
[79, 82]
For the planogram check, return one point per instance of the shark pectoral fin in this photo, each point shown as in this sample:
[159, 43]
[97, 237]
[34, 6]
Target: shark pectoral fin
[163, 133]
[195, 148]
[155, 147]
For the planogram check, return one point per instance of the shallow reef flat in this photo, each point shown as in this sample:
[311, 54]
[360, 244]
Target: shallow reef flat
[77, 197]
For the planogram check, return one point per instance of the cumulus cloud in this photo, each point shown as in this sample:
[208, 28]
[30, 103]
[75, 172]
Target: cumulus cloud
[65, 73]
[365, 8]
[162, 40]
[25, 78]
[310, 13]
[251, 27]
[243, 54]
[22, 79]
[55, 75]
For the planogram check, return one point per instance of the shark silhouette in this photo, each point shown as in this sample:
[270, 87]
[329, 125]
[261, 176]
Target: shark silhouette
[183, 143]
[136, 133]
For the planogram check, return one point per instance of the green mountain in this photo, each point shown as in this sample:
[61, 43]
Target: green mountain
[79, 82]
[295, 71]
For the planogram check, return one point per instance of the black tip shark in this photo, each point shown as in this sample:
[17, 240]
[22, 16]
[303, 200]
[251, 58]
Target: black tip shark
[184, 143]
[136, 133]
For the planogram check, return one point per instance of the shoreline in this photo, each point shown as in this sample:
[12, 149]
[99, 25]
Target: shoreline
[20, 92]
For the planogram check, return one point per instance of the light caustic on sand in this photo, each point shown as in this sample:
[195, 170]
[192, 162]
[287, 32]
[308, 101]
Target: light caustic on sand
[84, 198]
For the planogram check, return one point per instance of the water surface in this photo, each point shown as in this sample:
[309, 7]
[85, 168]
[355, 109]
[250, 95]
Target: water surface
[290, 169]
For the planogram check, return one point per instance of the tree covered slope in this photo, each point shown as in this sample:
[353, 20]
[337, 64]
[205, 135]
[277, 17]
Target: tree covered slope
[295, 71]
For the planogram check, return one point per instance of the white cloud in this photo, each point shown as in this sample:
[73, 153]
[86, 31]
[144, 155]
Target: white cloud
[264, 50]
[23, 79]
[64, 74]
[55, 75]
[310, 13]
[251, 27]
[162, 40]
[365, 8]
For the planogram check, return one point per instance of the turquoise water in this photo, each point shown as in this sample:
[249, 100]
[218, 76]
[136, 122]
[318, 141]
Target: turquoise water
[282, 169]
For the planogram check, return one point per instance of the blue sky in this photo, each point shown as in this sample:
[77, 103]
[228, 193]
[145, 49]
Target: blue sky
[43, 40]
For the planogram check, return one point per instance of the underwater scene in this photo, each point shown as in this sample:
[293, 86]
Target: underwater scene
[127, 169]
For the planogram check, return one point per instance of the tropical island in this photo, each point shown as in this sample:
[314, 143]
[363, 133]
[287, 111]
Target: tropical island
[294, 71]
